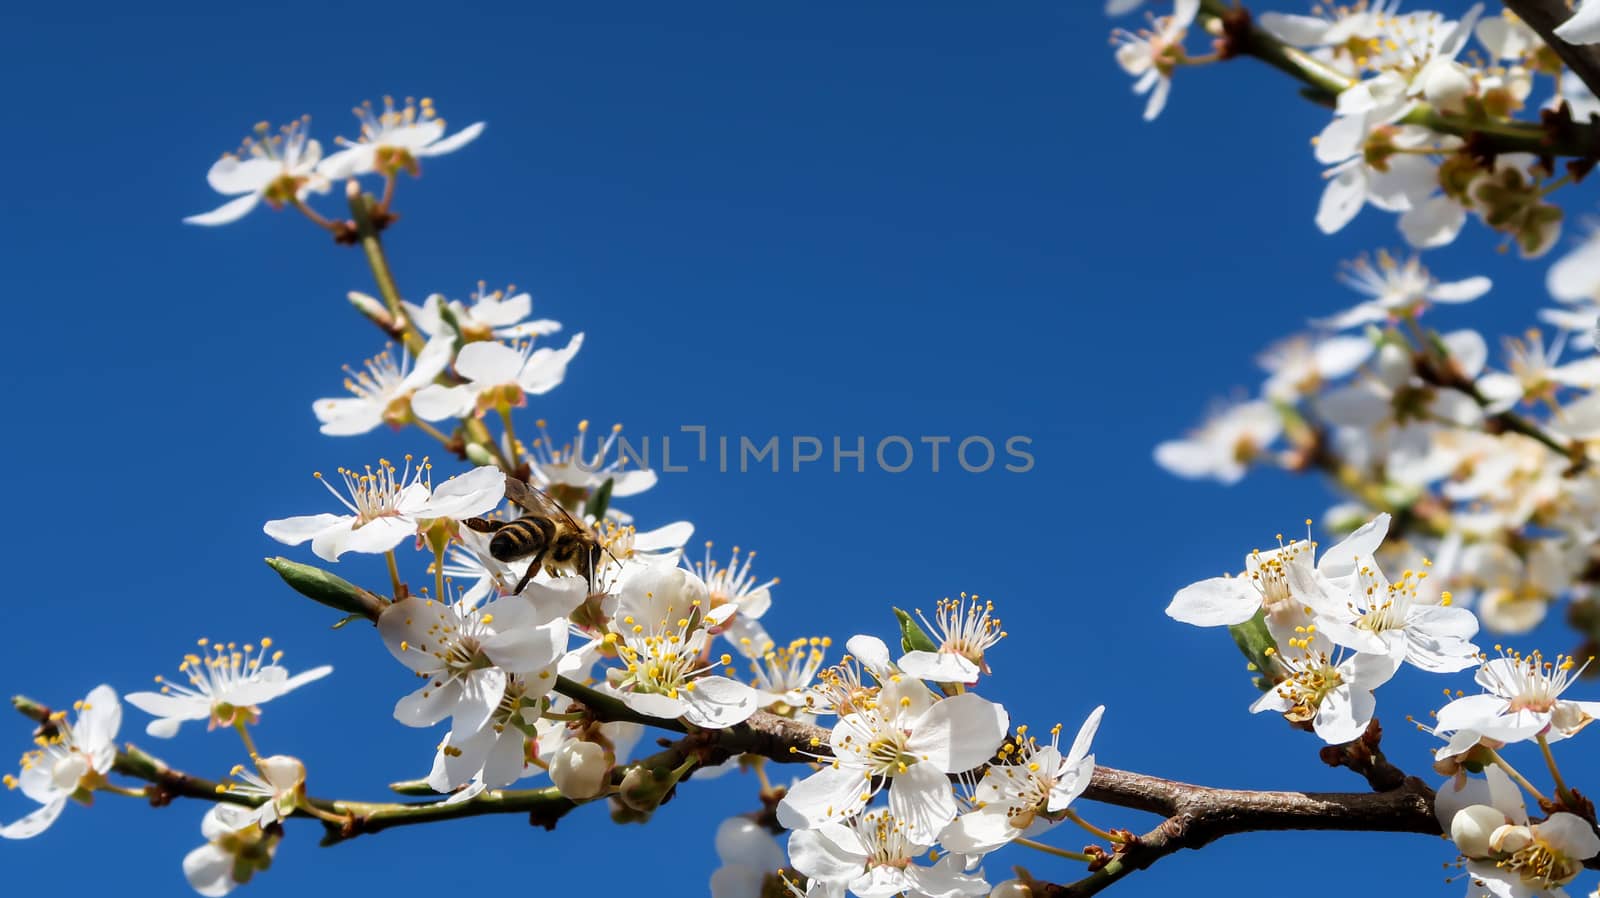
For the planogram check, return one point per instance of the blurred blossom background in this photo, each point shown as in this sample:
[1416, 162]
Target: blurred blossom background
[825, 219]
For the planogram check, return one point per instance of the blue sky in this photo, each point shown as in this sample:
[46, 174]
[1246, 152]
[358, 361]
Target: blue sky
[828, 218]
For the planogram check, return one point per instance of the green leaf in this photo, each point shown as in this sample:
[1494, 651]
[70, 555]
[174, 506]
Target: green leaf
[912, 638]
[599, 501]
[320, 586]
[1253, 640]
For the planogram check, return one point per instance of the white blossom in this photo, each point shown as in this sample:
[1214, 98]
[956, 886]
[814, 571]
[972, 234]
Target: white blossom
[279, 168]
[1151, 55]
[387, 505]
[1521, 700]
[963, 629]
[236, 849]
[223, 681]
[497, 374]
[873, 856]
[908, 741]
[1224, 445]
[492, 315]
[69, 761]
[395, 138]
[382, 390]
[1026, 794]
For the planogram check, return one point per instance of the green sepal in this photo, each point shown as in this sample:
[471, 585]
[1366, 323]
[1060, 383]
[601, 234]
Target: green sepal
[912, 637]
[599, 501]
[1254, 642]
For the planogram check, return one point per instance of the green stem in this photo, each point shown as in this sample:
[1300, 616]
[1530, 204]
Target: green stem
[1058, 852]
[244, 735]
[361, 208]
[1562, 792]
[511, 436]
[1517, 776]
[430, 430]
[394, 574]
[1096, 831]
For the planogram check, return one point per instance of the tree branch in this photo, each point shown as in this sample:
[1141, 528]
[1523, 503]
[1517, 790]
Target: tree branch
[1544, 16]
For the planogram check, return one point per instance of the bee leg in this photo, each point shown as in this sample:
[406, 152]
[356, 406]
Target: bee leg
[483, 525]
[533, 568]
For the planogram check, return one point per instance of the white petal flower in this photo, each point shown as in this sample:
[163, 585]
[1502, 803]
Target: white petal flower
[1521, 700]
[388, 506]
[501, 751]
[750, 857]
[1027, 794]
[279, 784]
[1372, 163]
[1398, 289]
[735, 589]
[1300, 366]
[382, 390]
[69, 761]
[224, 680]
[783, 674]
[497, 375]
[1375, 616]
[1332, 692]
[965, 628]
[906, 744]
[1222, 448]
[660, 633]
[384, 505]
[1151, 55]
[279, 168]
[1275, 582]
[236, 849]
[395, 139]
[465, 654]
[873, 856]
[570, 471]
[493, 315]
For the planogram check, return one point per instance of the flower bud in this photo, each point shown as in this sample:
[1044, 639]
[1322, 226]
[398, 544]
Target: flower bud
[643, 788]
[1472, 827]
[621, 813]
[1447, 84]
[478, 455]
[580, 769]
[1011, 888]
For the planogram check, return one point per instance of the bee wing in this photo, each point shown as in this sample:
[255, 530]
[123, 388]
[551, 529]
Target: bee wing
[530, 498]
[537, 501]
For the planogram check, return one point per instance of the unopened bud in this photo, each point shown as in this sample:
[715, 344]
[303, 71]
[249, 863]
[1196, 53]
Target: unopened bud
[1472, 827]
[621, 813]
[1447, 84]
[580, 769]
[643, 788]
[1011, 888]
[479, 455]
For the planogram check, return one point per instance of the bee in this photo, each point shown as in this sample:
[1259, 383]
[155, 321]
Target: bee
[546, 533]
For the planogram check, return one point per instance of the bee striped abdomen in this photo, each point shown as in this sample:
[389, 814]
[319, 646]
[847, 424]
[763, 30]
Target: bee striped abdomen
[521, 538]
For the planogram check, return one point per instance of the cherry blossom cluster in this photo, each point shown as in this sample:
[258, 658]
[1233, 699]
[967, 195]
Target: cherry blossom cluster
[1326, 632]
[1487, 458]
[922, 768]
[551, 669]
[1404, 87]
